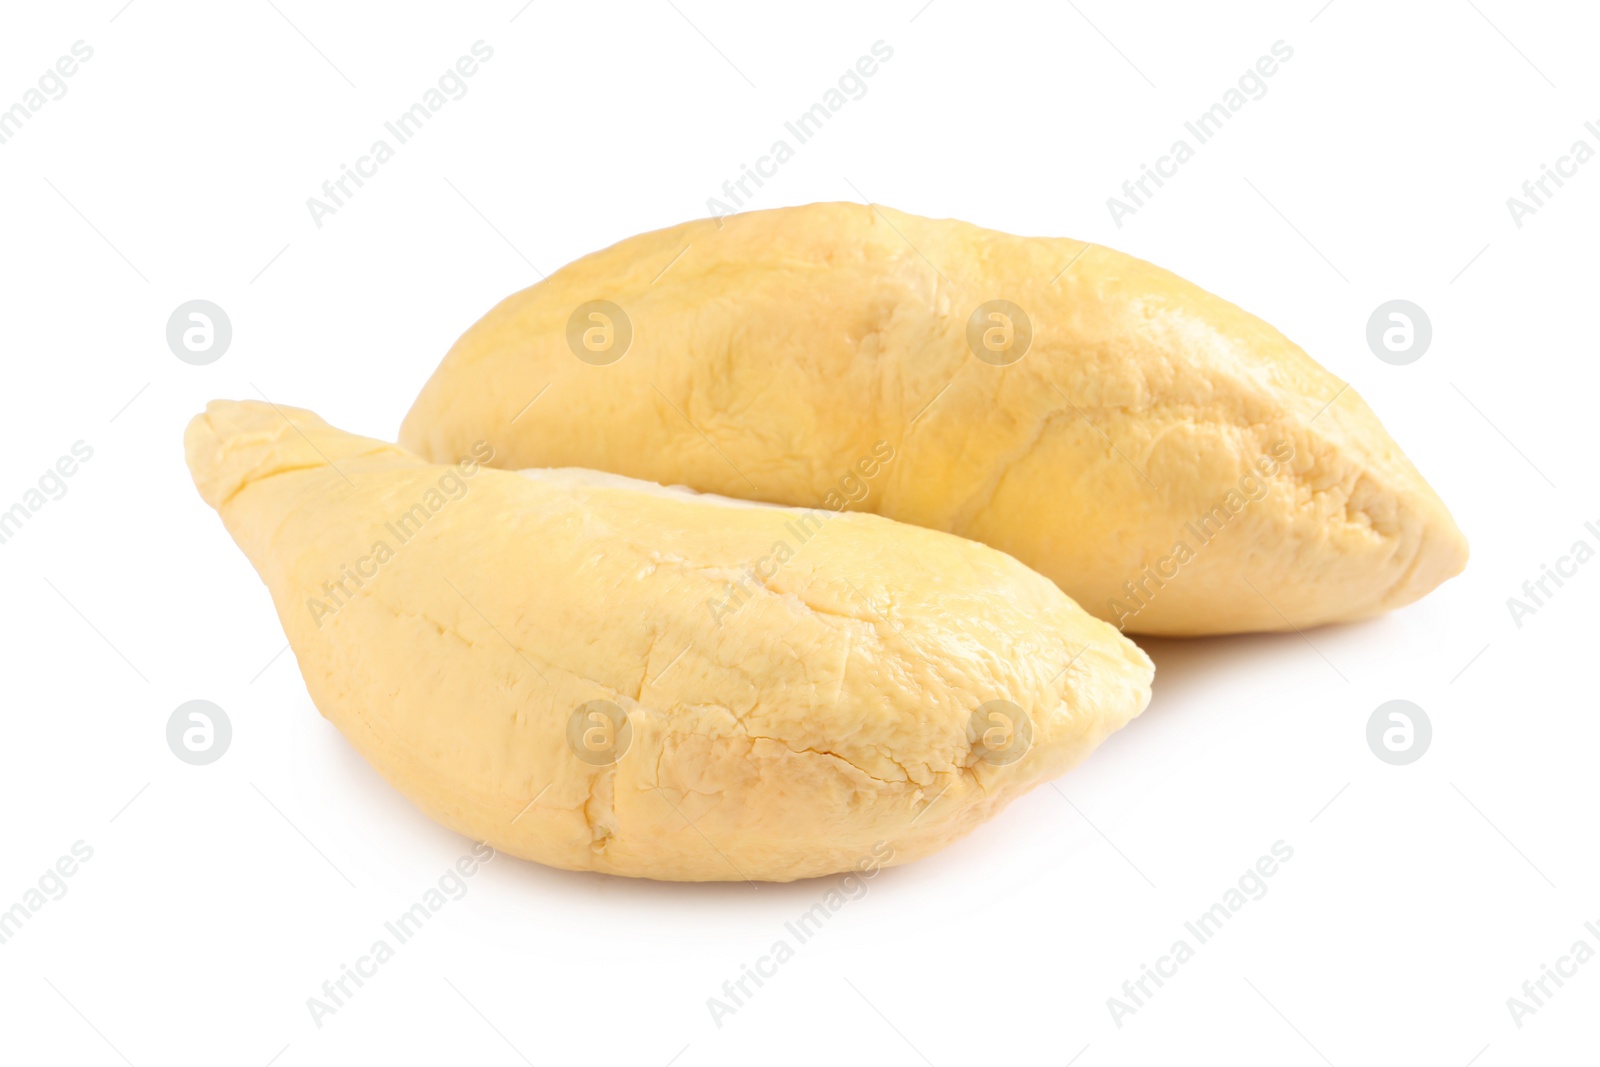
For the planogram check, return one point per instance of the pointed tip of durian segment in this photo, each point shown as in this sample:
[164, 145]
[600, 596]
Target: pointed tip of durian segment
[236, 442]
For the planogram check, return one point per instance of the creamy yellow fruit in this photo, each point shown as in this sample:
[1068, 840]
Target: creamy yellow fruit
[783, 692]
[1116, 450]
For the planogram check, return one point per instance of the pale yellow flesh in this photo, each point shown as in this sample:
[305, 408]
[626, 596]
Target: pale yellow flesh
[772, 350]
[823, 723]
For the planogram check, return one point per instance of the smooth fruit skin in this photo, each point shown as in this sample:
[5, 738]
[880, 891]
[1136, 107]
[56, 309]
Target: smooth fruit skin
[820, 721]
[1129, 454]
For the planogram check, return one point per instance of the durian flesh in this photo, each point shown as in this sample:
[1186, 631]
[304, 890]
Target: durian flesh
[599, 674]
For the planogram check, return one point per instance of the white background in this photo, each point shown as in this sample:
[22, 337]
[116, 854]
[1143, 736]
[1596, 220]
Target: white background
[220, 898]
